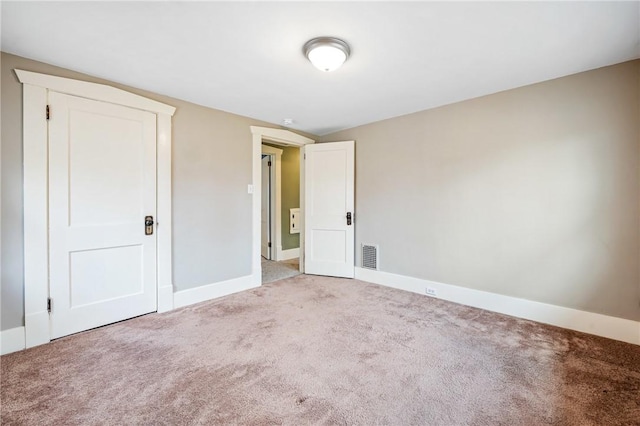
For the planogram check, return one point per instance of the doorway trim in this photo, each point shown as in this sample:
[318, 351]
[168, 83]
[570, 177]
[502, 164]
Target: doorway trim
[279, 137]
[35, 89]
[276, 201]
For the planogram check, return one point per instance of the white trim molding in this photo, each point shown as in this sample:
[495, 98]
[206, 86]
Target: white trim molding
[90, 90]
[12, 340]
[213, 291]
[164, 221]
[280, 137]
[573, 319]
[36, 88]
[288, 254]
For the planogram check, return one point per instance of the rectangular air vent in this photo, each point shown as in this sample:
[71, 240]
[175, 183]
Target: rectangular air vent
[370, 256]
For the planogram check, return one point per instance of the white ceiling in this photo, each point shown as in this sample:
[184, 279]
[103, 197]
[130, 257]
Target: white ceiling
[246, 57]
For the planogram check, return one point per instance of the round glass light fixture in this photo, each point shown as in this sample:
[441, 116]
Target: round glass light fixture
[326, 53]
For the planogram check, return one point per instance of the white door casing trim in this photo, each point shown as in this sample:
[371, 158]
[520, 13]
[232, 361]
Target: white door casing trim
[276, 199]
[573, 319]
[35, 140]
[96, 91]
[281, 137]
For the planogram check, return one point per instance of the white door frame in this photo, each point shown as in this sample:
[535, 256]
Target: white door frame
[280, 137]
[36, 187]
[276, 201]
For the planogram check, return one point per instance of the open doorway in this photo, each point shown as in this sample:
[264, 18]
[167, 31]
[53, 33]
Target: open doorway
[278, 140]
[280, 211]
[327, 199]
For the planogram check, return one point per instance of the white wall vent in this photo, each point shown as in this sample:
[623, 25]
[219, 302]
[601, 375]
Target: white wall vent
[369, 257]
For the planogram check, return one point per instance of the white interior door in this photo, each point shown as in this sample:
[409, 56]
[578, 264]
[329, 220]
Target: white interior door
[102, 184]
[266, 207]
[328, 209]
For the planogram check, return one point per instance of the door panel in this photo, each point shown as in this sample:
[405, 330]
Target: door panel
[112, 272]
[97, 195]
[329, 245]
[329, 194]
[102, 184]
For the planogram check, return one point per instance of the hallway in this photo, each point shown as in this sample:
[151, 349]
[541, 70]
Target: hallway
[274, 271]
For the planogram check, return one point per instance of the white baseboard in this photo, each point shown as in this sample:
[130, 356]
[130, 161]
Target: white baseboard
[573, 319]
[213, 291]
[288, 254]
[12, 340]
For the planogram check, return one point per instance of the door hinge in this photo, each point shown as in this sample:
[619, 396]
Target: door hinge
[269, 245]
[305, 156]
[48, 112]
[49, 304]
[269, 164]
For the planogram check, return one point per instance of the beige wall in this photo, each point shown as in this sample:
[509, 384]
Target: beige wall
[211, 207]
[533, 192]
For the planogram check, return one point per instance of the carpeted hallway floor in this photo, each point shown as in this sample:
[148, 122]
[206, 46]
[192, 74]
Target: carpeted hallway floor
[316, 350]
[274, 271]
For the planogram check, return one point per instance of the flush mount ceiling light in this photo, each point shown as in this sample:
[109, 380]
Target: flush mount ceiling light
[326, 53]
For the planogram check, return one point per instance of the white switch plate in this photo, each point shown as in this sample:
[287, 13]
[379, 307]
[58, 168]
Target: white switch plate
[249, 189]
[294, 220]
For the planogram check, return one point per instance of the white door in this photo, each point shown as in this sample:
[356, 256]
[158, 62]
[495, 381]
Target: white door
[266, 207]
[328, 209]
[102, 184]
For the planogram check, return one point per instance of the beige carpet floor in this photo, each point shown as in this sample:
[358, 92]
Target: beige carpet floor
[315, 350]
